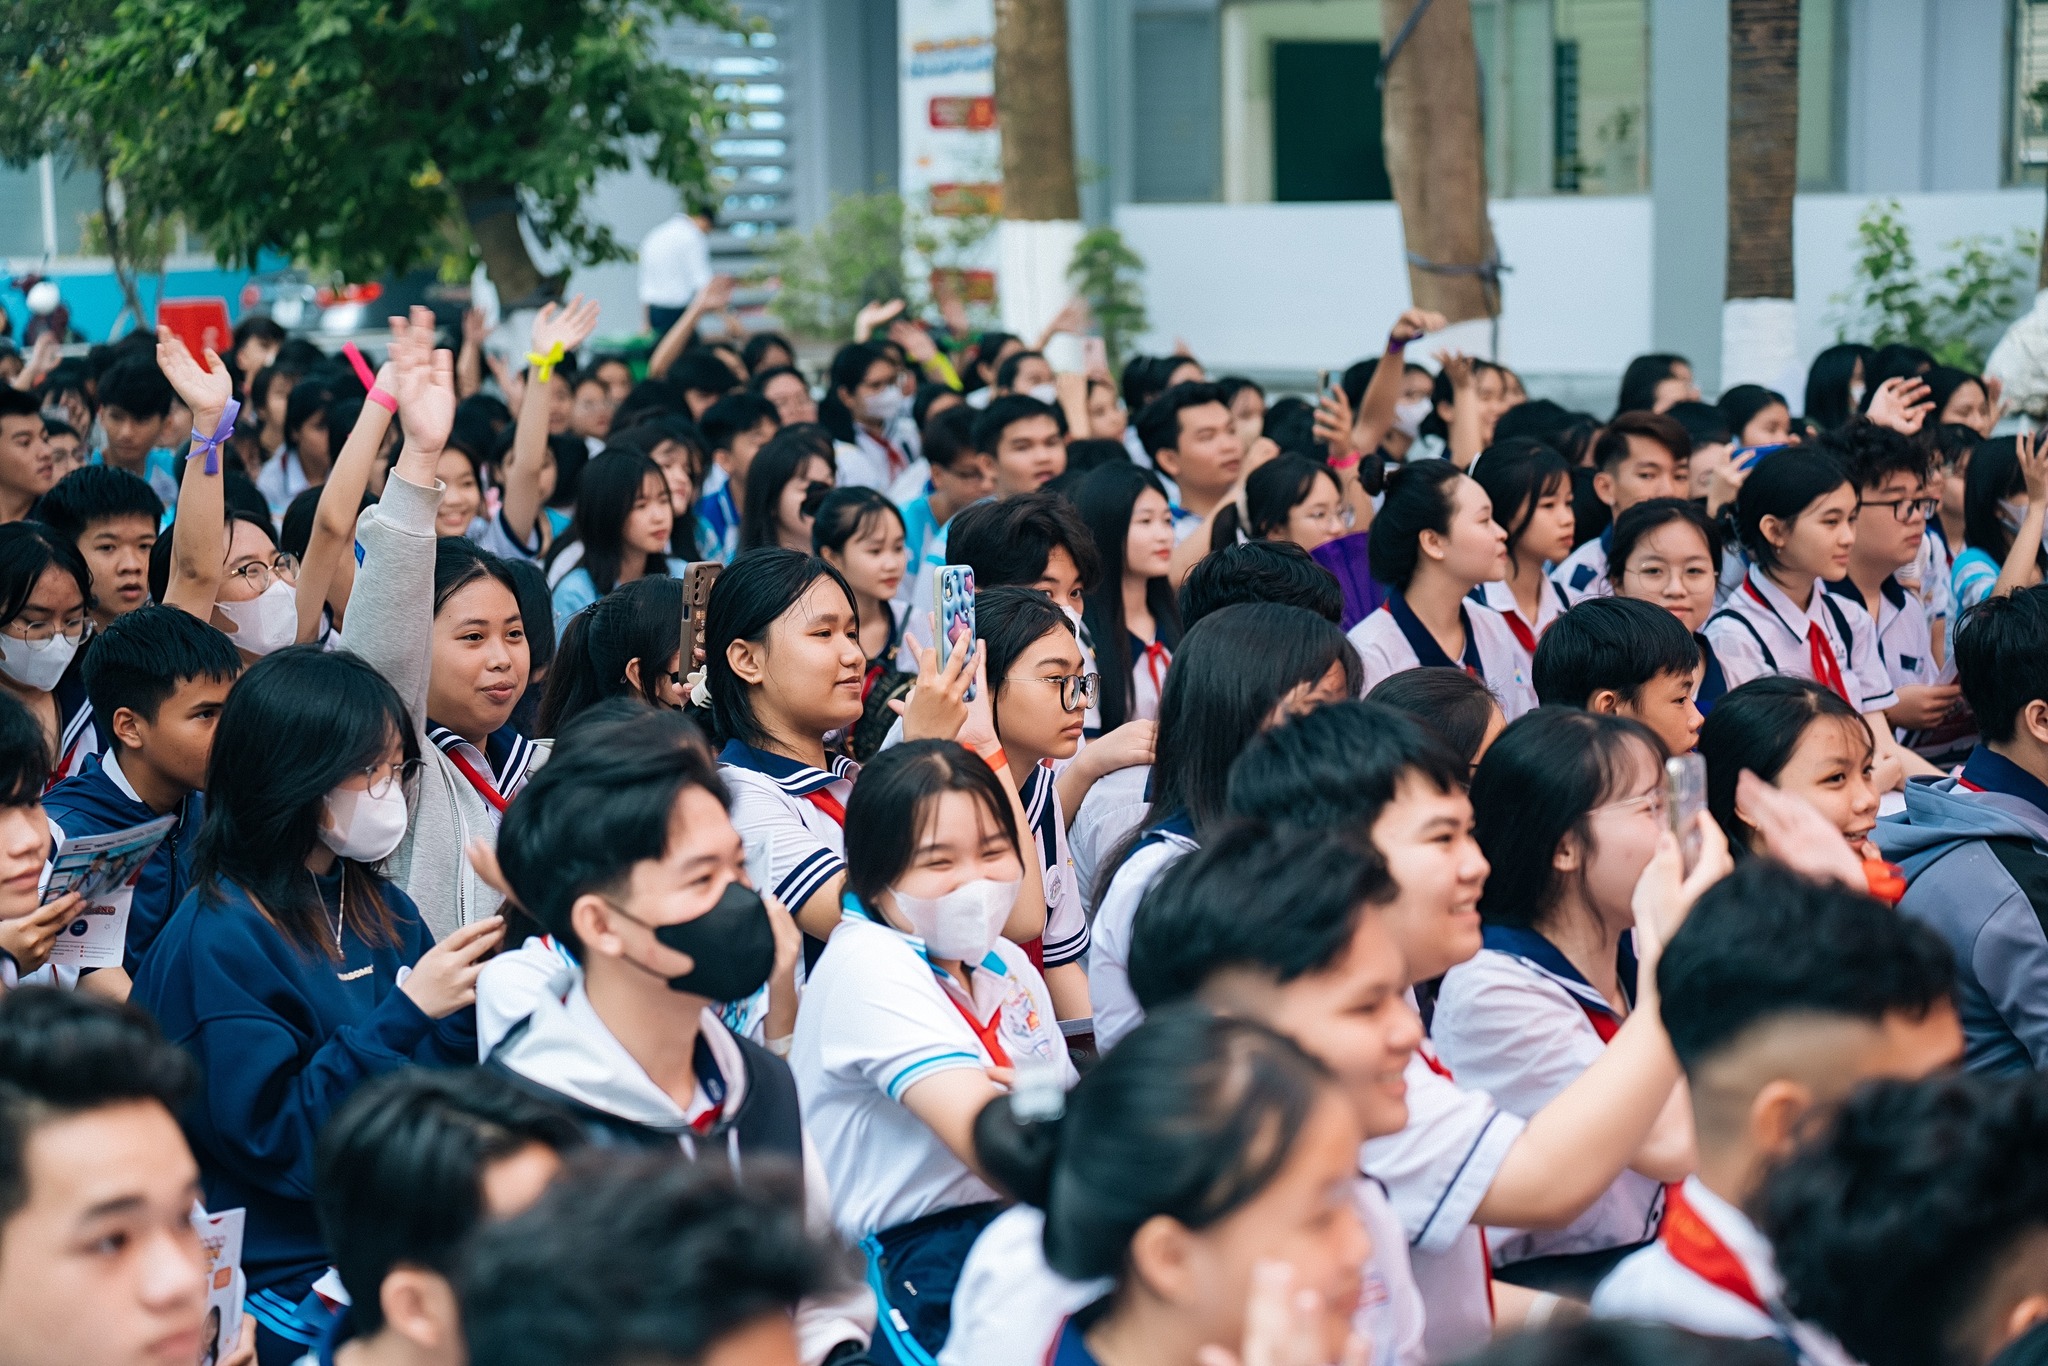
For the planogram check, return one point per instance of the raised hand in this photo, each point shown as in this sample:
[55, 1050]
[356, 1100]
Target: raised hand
[915, 341]
[872, 315]
[1333, 424]
[936, 708]
[568, 325]
[203, 389]
[2033, 458]
[426, 382]
[1901, 403]
[1416, 322]
[1458, 366]
[473, 326]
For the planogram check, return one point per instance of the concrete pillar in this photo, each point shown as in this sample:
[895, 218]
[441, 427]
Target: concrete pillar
[1689, 181]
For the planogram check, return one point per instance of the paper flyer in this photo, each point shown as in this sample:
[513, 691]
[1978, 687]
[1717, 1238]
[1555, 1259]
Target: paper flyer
[221, 1236]
[102, 869]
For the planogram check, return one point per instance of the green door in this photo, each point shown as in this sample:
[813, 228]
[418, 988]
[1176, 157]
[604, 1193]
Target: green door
[1326, 123]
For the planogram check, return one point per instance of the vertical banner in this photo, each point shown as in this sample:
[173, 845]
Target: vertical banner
[951, 176]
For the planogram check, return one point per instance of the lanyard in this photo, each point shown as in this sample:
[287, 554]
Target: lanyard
[485, 788]
[1827, 670]
[1694, 1245]
[989, 1034]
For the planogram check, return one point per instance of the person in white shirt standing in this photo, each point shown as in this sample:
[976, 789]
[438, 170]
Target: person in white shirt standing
[1781, 996]
[675, 262]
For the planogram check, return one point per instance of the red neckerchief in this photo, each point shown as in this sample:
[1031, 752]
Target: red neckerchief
[828, 804]
[1156, 660]
[1827, 670]
[1527, 637]
[987, 1033]
[1605, 1023]
[898, 462]
[485, 788]
[1694, 1245]
[1429, 1060]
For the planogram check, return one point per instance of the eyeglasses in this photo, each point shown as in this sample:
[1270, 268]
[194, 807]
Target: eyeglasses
[1077, 691]
[38, 632]
[1692, 576]
[260, 576]
[1906, 508]
[1650, 801]
[382, 777]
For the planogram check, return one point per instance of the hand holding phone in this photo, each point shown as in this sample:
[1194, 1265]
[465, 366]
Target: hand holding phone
[954, 588]
[1685, 797]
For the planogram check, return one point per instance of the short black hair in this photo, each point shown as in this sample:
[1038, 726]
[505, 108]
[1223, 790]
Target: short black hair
[638, 1259]
[146, 655]
[64, 1053]
[1622, 644]
[399, 1172]
[1004, 412]
[1284, 901]
[702, 371]
[1645, 517]
[1764, 942]
[1705, 423]
[600, 805]
[1006, 373]
[1783, 485]
[1612, 447]
[1619, 1342]
[1260, 571]
[1338, 766]
[137, 387]
[950, 435]
[97, 493]
[1872, 453]
[1158, 422]
[1758, 727]
[2002, 659]
[1009, 540]
[735, 412]
[1450, 703]
[1893, 1226]
[24, 755]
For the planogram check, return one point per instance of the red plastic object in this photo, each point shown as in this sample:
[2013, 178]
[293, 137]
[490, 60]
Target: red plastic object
[199, 323]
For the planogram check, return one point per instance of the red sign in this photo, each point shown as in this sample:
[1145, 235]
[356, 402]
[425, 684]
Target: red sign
[975, 113]
[954, 200]
[970, 286]
[199, 323]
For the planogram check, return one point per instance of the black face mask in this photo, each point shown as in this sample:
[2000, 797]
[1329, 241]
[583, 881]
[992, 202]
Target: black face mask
[733, 945]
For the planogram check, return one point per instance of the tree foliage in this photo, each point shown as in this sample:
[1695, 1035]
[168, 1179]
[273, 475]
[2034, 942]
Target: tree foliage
[1954, 312]
[1105, 272]
[364, 135]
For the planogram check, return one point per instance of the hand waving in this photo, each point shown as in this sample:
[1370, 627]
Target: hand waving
[426, 382]
[1414, 323]
[567, 325]
[872, 316]
[1901, 404]
[205, 390]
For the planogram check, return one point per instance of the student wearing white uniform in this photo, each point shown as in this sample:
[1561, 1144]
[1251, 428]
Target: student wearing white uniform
[1781, 995]
[1531, 489]
[1201, 1149]
[915, 1000]
[1131, 614]
[862, 404]
[1433, 542]
[1567, 806]
[1462, 1162]
[1241, 670]
[1796, 516]
[1668, 554]
[1639, 456]
[1800, 738]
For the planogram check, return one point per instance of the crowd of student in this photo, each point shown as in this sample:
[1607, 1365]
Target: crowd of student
[1270, 940]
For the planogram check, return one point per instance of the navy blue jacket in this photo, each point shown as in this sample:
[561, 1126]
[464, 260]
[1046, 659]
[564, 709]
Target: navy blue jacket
[91, 803]
[282, 1036]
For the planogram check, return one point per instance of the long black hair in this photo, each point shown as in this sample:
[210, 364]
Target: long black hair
[759, 586]
[1271, 493]
[1420, 497]
[1105, 500]
[298, 723]
[1828, 380]
[1539, 782]
[1994, 476]
[848, 513]
[1517, 474]
[28, 550]
[1639, 382]
[850, 365]
[896, 800]
[775, 464]
[1192, 1117]
[1758, 726]
[1008, 621]
[1783, 484]
[1235, 666]
[611, 484]
[641, 620]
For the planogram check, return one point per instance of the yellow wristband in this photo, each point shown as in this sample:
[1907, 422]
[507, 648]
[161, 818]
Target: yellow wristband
[544, 363]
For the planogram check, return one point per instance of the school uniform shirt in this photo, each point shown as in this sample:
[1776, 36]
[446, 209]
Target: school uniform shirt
[577, 590]
[1393, 640]
[877, 1018]
[1066, 920]
[1972, 577]
[1185, 523]
[1114, 807]
[1148, 677]
[1552, 603]
[1905, 649]
[1711, 1271]
[282, 479]
[498, 770]
[921, 530]
[101, 800]
[802, 808]
[1760, 631]
[1583, 573]
[1117, 1012]
[1520, 1023]
[1008, 1304]
[78, 730]
[1928, 578]
[718, 517]
[872, 462]
[1713, 678]
[1436, 1172]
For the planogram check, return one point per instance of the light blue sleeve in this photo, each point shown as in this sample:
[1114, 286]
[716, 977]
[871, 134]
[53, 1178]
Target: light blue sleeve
[1974, 575]
[574, 593]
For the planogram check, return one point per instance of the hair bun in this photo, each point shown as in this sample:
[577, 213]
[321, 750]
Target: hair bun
[1019, 1154]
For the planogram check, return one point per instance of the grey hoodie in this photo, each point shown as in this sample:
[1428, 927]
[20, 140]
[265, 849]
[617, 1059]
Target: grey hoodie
[1958, 888]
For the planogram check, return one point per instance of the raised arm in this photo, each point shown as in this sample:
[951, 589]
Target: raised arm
[2022, 568]
[714, 296]
[568, 327]
[1376, 404]
[469, 361]
[199, 535]
[1463, 446]
[328, 573]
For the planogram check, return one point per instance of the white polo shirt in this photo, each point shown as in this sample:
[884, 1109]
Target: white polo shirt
[771, 795]
[1760, 631]
[1117, 1012]
[1436, 1172]
[1583, 573]
[1113, 808]
[1515, 1027]
[1905, 648]
[877, 1018]
[1066, 920]
[1392, 640]
[1551, 604]
[1008, 1304]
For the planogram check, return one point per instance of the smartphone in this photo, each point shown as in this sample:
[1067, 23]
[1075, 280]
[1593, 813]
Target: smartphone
[697, 581]
[1066, 354]
[1745, 457]
[1322, 384]
[1685, 796]
[953, 586]
[1094, 356]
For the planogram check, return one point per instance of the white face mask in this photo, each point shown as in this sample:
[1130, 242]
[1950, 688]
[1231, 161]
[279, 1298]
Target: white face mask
[267, 622]
[963, 924]
[1855, 396]
[1045, 393]
[363, 827]
[882, 407]
[1408, 415]
[36, 664]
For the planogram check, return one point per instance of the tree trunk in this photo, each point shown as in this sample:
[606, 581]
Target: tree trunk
[1035, 110]
[1759, 329]
[1436, 159]
[493, 215]
[117, 251]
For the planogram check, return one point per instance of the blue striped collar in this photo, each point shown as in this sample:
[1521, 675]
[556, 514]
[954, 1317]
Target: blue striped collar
[506, 754]
[850, 908]
[796, 779]
[1533, 950]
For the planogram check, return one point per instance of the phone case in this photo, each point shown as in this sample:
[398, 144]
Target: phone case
[1685, 796]
[697, 581]
[954, 586]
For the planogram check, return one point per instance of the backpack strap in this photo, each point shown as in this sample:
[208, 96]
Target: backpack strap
[2027, 867]
[1770, 660]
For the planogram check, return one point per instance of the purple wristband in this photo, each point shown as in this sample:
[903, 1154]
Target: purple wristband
[212, 444]
[1395, 347]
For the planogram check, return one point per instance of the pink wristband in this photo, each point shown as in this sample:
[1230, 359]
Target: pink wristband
[382, 400]
[362, 366]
